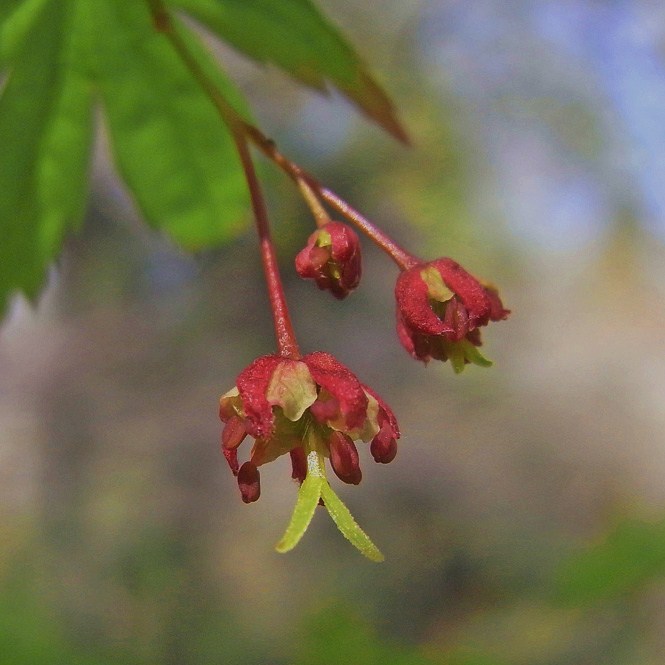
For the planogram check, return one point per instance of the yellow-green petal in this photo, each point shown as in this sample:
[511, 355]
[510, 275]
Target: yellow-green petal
[436, 288]
[292, 388]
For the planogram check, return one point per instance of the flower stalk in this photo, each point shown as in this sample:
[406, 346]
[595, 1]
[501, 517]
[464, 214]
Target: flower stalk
[286, 340]
[321, 217]
[398, 254]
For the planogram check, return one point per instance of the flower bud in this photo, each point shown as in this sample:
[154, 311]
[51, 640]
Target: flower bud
[332, 259]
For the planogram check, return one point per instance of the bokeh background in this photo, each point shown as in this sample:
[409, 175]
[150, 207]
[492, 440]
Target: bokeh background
[523, 521]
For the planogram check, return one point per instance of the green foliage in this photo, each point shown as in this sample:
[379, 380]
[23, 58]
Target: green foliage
[171, 148]
[335, 636]
[45, 133]
[295, 36]
[31, 634]
[632, 555]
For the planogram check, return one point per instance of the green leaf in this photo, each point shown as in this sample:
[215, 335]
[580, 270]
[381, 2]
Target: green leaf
[347, 525]
[294, 35]
[45, 134]
[632, 555]
[171, 147]
[17, 18]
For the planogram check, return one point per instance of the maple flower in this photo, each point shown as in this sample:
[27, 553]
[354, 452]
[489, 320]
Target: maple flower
[311, 405]
[440, 310]
[332, 259]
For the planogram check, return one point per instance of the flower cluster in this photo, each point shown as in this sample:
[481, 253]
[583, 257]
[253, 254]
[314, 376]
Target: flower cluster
[314, 404]
[312, 407]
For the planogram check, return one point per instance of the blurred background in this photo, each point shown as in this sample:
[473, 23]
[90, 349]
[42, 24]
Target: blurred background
[523, 521]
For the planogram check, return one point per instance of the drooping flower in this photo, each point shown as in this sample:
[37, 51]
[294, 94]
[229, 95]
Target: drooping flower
[314, 404]
[332, 259]
[440, 310]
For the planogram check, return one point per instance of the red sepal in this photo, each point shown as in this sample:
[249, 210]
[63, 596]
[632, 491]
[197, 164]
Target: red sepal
[252, 385]
[342, 384]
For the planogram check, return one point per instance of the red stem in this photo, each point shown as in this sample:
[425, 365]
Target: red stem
[399, 255]
[286, 339]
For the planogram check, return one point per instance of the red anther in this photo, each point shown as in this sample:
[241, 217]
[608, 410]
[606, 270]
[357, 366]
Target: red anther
[249, 482]
[344, 458]
[298, 464]
[384, 446]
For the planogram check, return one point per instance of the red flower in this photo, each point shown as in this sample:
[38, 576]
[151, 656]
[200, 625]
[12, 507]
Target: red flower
[440, 309]
[332, 259]
[299, 406]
